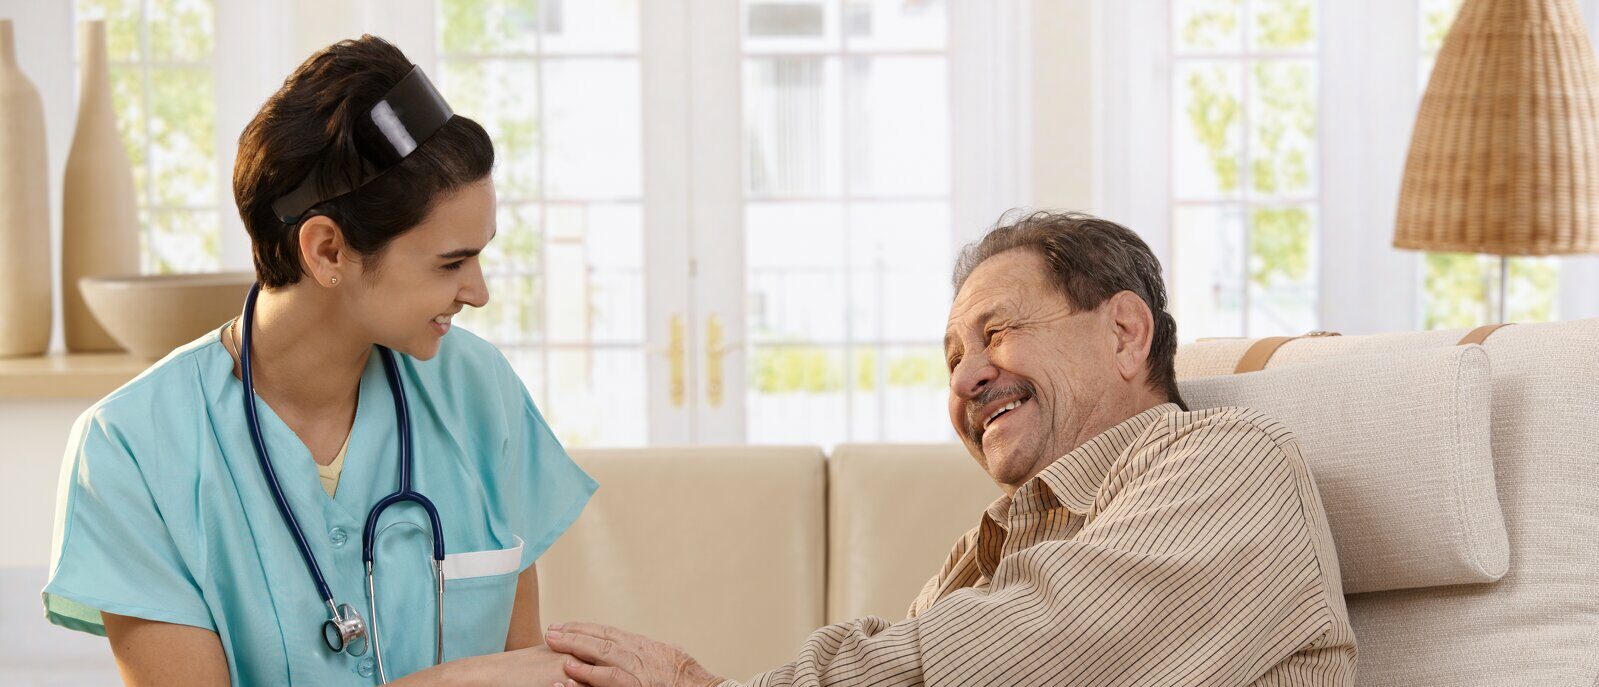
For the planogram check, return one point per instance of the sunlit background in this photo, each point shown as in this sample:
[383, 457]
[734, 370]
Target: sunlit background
[735, 221]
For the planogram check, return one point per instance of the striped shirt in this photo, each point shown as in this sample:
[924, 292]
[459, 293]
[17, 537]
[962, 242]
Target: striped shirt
[1176, 548]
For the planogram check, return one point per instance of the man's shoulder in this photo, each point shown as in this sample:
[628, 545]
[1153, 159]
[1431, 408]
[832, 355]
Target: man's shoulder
[1219, 436]
[1218, 424]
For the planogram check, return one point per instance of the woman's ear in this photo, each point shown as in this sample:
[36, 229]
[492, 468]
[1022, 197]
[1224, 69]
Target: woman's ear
[1134, 327]
[322, 250]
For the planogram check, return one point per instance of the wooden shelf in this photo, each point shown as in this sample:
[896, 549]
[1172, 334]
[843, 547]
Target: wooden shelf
[68, 375]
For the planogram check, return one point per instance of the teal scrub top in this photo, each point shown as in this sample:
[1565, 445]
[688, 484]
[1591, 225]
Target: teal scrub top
[163, 513]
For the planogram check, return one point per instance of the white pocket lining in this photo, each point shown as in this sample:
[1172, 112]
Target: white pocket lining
[483, 563]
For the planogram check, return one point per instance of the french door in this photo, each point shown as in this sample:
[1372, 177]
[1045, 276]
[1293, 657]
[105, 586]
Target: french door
[729, 221]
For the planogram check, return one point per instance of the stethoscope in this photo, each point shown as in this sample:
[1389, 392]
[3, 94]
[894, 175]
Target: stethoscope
[344, 631]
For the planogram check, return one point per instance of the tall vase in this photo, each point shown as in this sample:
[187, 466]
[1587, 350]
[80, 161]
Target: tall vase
[25, 277]
[100, 220]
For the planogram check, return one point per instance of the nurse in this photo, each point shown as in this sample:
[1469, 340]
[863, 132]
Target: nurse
[367, 205]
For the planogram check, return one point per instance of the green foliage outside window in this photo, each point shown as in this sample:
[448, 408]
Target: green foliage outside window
[1282, 127]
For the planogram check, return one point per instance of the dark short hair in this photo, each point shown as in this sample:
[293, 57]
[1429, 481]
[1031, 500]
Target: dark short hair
[1090, 260]
[309, 124]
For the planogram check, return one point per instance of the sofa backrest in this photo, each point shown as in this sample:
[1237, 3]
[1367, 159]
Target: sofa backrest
[716, 549]
[1539, 624]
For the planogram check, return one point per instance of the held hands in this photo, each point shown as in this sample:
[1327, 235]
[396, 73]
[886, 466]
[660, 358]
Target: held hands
[609, 657]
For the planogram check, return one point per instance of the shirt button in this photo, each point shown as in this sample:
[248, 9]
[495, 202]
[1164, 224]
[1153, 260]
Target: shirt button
[365, 667]
[337, 536]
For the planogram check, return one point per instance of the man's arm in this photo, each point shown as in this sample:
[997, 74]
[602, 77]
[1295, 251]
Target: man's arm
[1202, 568]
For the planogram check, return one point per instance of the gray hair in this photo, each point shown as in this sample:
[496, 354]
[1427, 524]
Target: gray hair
[1090, 260]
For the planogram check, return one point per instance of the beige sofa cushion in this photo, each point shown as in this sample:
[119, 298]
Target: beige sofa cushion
[894, 513]
[718, 550]
[1539, 624]
[1399, 449]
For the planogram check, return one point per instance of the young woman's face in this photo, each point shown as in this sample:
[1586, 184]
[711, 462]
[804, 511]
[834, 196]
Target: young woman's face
[430, 273]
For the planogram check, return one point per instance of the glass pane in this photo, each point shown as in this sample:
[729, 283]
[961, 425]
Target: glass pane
[514, 315]
[1534, 290]
[181, 29]
[1457, 287]
[899, 125]
[790, 25]
[122, 25]
[1436, 17]
[901, 257]
[594, 127]
[794, 254]
[183, 136]
[183, 241]
[1282, 123]
[898, 393]
[912, 397]
[597, 396]
[596, 274]
[1282, 25]
[1209, 129]
[1208, 271]
[591, 26]
[1282, 271]
[796, 395]
[528, 362]
[791, 126]
[896, 24]
[127, 97]
[502, 95]
[518, 243]
[1207, 26]
[488, 26]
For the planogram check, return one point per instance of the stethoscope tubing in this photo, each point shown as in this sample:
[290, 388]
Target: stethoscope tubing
[252, 419]
[405, 493]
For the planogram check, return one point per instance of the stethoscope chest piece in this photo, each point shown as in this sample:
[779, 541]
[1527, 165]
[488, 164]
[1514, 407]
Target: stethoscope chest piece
[345, 632]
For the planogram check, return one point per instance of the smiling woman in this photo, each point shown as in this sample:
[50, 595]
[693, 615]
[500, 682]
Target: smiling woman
[226, 483]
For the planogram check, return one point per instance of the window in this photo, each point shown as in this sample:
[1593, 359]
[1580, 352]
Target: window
[556, 84]
[1244, 158]
[160, 57]
[1462, 289]
[848, 235]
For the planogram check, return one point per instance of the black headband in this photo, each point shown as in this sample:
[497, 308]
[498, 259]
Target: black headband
[406, 117]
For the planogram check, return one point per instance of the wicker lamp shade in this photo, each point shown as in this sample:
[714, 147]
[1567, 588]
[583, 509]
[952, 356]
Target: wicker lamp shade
[1505, 154]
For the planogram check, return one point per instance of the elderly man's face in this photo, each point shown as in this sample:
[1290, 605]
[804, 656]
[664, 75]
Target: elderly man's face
[1025, 370]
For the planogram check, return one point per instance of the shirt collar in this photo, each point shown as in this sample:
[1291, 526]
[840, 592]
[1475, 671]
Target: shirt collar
[1074, 480]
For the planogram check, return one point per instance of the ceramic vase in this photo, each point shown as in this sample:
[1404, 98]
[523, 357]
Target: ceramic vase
[25, 278]
[100, 220]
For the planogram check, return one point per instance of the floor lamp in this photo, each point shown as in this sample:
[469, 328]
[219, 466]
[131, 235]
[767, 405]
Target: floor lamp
[1504, 159]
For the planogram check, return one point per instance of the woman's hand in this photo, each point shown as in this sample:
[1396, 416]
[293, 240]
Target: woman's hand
[615, 658]
[535, 666]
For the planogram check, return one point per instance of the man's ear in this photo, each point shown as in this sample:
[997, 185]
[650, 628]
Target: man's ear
[322, 249]
[1133, 325]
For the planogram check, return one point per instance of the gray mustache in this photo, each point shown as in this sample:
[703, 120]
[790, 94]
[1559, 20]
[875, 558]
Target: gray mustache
[974, 424]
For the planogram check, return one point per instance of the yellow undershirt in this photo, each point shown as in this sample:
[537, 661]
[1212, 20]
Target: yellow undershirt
[330, 472]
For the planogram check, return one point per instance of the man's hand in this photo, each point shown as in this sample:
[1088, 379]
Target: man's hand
[614, 658]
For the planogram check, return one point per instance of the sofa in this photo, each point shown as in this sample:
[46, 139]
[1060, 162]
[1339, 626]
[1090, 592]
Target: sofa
[1459, 470]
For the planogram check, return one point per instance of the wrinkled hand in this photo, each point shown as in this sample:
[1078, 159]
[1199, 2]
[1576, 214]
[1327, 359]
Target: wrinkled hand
[534, 666]
[609, 657]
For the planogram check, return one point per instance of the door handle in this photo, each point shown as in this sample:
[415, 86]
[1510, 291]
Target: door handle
[677, 354]
[716, 351]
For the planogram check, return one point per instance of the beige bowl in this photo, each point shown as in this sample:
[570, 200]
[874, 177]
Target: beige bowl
[151, 315]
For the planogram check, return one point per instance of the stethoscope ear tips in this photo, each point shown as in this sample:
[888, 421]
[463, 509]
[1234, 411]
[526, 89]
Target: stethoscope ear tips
[345, 632]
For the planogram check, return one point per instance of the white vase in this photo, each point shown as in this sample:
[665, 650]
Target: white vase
[25, 277]
[100, 220]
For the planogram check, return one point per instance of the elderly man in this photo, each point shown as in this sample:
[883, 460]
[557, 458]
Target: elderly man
[1136, 543]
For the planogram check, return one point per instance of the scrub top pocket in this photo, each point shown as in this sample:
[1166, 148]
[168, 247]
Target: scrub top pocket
[479, 592]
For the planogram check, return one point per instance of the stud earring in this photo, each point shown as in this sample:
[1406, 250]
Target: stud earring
[335, 281]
